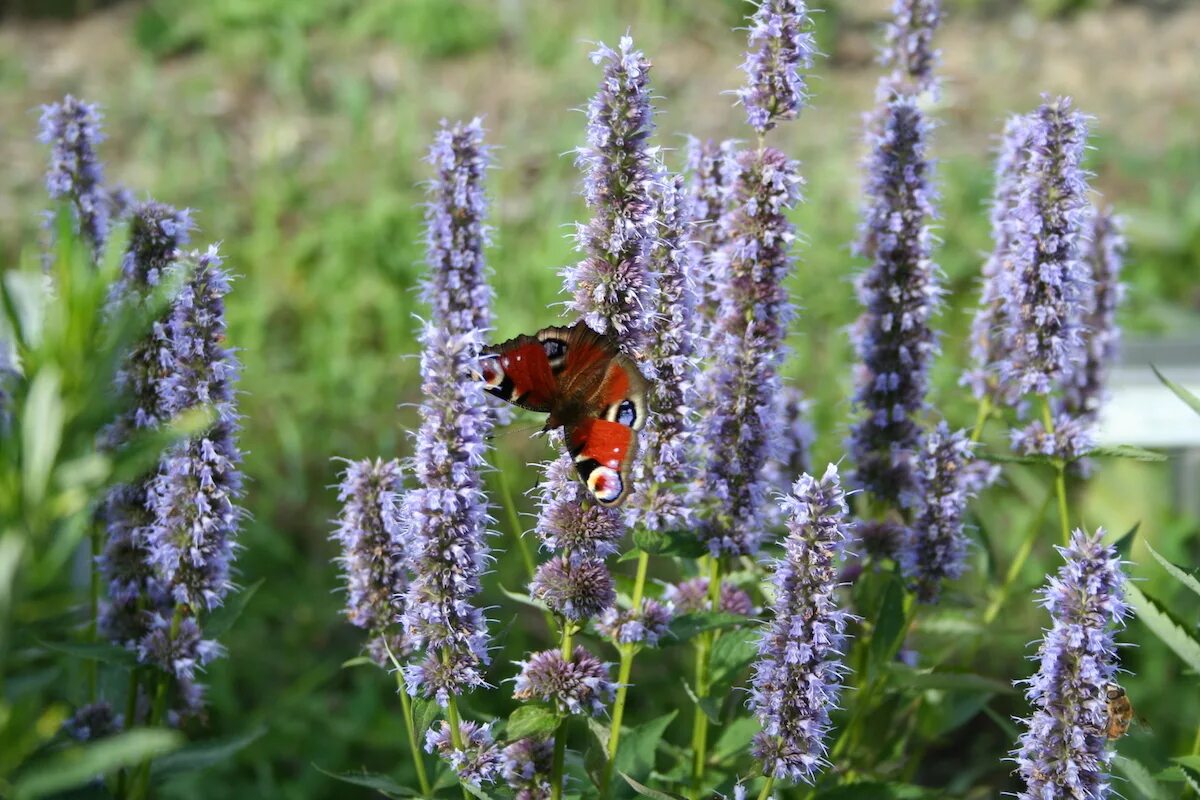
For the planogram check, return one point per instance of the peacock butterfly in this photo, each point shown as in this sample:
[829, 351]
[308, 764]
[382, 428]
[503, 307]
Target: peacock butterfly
[588, 387]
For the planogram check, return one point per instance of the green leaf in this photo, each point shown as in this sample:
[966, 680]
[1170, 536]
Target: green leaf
[685, 544]
[383, 784]
[889, 624]
[1173, 633]
[1176, 572]
[635, 752]
[202, 755]
[947, 681]
[41, 432]
[1004, 457]
[425, 713]
[1124, 545]
[523, 599]
[685, 626]
[358, 661]
[735, 737]
[1180, 392]
[95, 651]
[710, 707]
[653, 794]
[1125, 451]
[475, 791]
[1190, 767]
[1140, 778]
[536, 721]
[1191, 762]
[221, 620]
[730, 655]
[653, 542]
[876, 791]
[77, 765]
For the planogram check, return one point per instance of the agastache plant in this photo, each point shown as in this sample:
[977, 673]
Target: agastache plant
[781, 46]
[908, 50]
[72, 129]
[1104, 252]
[799, 671]
[1064, 749]
[711, 171]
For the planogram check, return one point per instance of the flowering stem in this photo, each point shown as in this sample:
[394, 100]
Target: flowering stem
[560, 736]
[628, 651]
[406, 704]
[141, 787]
[93, 609]
[703, 651]
[766, 790]
[1014, 569]
[1060, 479]
[985, 411]
[455, 724]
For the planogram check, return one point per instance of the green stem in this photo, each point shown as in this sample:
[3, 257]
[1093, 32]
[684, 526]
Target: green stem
[409, 724]
[985, 411]
[628, 651]
[123, 777]
[162, 683]
[766, 790]
[514, 523]
[560, 735]
[93, 612]
[1018, 562]
[1060, 478]
[454, 719]
[704, 643]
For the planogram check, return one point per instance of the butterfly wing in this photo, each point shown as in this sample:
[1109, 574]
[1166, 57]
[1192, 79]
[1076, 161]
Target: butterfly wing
[520, 372]
[603, 451]
[600, 380]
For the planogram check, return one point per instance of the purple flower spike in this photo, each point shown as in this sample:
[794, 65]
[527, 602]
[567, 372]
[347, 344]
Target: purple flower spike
[1104, 252]
[479, 761]
[612, 286]
[157, 234]
[781, 44]
[646, 627]
[578, 686]
[448, 518]
[568, 525]
[691, 596]
[194, 496]
[666, 463]
[575, 590]
[374, 552]
[987, 329]
[934, 547]
[908, 49]
[1043, 340]
[72, 129]
[527, 766]
[790, 449]
[1071, 438]
[455, 232]
[798, 674]
[712, 171]
[899, 293]
[1064, 750]
[93, 721]
[749, 347]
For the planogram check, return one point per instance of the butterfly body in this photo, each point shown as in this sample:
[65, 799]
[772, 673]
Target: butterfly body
[587, 387]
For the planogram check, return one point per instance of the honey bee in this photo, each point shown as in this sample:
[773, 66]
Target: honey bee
[1120, 711]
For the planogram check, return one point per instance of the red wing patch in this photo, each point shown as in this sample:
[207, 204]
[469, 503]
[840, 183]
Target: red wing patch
[519, 371]
[603, 453]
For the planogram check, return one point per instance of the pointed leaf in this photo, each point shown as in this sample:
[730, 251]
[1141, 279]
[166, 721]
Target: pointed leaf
[425, 713]
[523, 599]
[1180, 392]
[1126, 451]
[653, 794]
[80, 764]
[730, 655]
[889, 624]
[735, 737]
[358, 661]
[1173, 633]
[1186, 578]
[708, 705]
[201, 755]
[41, 432]
[1140, 778]
[221, 620]
[1124, 545]
[532, 721]
[947, 681]
[95, 651]
[635, 752]
[384, 784]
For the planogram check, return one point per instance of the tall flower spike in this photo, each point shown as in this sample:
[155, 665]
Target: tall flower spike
[1104, 252]
[456, 235]
[908, 49]
[798, 674]
[374, 552]
[934, 547]
[1064, 750]
[194, 496]
[449, 517]
[899, 293]
[1043, 341]
[987, 345]
[790, 448]
[612, 286]
[781, 43]
[666, 464]
[749, 347]
[711, 170]
[72, 129]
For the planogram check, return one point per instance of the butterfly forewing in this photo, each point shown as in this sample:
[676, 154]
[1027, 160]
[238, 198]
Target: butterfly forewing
[520, 372]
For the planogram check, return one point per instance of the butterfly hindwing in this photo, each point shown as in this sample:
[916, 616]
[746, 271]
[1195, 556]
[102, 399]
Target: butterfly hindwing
[603, 453]
[598, 377]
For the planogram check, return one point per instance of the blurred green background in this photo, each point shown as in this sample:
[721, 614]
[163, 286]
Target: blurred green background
[297, 131]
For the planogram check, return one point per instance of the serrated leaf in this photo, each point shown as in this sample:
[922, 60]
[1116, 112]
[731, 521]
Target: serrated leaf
[79, 764]
[635, 751]
[201, 755]
[653, 794]
[103, 652]
[685, 626]
[1125, 451]
[730, 655]
[1180, 392]
[532, 721]
[425, 713]
[1178, 573]
[475, 791]
[708, 705]
[922, 680]
[1191, 762]
[1124, 545]
[1173, 633]
[735, 737]
[221, 620]
[384, 784]
[1191, 772]
[1140, 778]
[653, 542]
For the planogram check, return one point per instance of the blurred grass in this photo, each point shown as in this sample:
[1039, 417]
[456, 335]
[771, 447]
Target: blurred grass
[297, 131]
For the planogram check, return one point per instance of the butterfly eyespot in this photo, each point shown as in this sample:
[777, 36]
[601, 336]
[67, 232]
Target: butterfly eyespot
[626, 413]
[556, 352]
[605, 484]
[491, 372]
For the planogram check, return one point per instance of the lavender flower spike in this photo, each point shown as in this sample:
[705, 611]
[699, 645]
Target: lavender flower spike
[748, 349]
[612, 286]
[374, 552]
[712, 170]
[455, 232]
[798, 674]
[987, 345]
[72, 128]
[478, 762]
[527, 767]
[449, 517]
[1043, 340]
[1104, 251]
[934, 547]
[908, 50]
[1064, 751]
[666, 463]
[899, 293]
[781, 43]
[578, 686]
